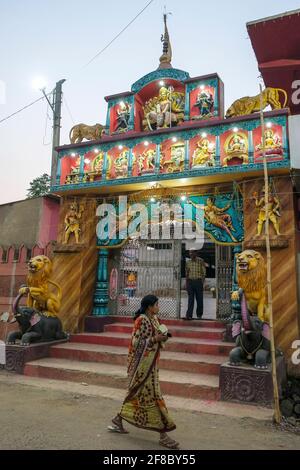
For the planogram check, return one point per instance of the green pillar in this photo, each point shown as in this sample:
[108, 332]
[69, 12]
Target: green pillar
[101, 290]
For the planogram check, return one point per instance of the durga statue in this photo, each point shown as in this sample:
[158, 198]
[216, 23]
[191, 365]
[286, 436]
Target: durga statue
[164, 110]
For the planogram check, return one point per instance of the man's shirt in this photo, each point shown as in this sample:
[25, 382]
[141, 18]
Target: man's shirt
[196, 269]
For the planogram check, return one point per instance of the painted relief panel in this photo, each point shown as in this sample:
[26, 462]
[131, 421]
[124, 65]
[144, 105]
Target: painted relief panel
[202, 101]
[202, 151]
[119, 117]
[172, 156]
[234, 148]
[118, 162]
[143, 159]
[273, 143]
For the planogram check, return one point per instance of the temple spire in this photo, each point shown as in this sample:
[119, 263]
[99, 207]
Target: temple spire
[165, 59]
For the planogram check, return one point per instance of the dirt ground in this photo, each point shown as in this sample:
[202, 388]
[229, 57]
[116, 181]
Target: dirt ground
[42, 418]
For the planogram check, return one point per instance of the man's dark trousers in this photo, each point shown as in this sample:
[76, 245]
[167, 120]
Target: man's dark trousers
[195, 289]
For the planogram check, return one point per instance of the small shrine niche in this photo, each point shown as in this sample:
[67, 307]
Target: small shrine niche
[234, 148]
[202, 151]
[172, 158]
[160, 105]
[144, 159]
[273, 143]
[202, 102]
[117, 162]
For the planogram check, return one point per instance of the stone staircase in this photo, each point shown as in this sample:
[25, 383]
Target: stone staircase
[189, 364]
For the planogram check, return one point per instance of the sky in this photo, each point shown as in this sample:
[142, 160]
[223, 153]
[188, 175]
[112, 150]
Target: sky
[55, 39]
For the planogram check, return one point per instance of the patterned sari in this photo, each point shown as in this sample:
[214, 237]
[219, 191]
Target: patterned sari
[144, 405]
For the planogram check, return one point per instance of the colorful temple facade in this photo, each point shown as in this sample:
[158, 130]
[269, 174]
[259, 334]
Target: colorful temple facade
[168, 140]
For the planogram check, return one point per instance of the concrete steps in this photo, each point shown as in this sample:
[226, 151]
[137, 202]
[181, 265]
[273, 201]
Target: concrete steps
[177, 344]
[188, 331]
[194, 363]
[189, 363]
[183, 384]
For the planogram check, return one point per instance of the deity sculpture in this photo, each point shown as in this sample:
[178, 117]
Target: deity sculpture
[176, 162]
[123, 116]
[236, 148]
[205, 103]
[272, 144]
[121, 165]
[204, 154]
[216, 216]
[146, 161]
[164, 110]
[72, 222]
[75, 169]
[271, 210]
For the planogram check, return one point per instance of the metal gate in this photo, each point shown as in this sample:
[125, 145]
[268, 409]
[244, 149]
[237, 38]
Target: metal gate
[224, 264]
[150, 267]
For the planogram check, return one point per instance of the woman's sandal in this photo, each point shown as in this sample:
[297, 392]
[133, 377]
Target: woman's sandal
[169, 443]
[117, 426]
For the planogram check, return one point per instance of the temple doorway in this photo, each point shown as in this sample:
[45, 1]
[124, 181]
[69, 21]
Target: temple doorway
[158, 267]
[150, 267]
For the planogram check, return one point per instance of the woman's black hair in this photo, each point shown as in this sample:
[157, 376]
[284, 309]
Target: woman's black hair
[147, 301]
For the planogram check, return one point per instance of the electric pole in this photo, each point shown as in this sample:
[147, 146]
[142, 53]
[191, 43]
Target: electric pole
[56, 108]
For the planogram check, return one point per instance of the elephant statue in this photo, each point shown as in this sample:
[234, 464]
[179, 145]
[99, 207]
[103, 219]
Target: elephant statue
[34, 326]
[252, 339]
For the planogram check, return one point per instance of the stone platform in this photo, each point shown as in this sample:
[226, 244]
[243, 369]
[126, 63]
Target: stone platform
[245, 383]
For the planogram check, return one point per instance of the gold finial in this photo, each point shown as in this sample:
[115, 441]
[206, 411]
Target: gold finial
[165, 59]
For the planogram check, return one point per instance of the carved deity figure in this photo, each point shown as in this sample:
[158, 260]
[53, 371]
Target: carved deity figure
[164, 110]
[216, 216]
[72, 222]
[123, 116]
[121, 165]
[176, 162]
[145, 161]
[271, 210]
[236, 148]
[204, 154]
[272, 144]
[205, 103]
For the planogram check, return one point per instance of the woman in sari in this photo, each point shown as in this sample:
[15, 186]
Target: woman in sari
[144, 405]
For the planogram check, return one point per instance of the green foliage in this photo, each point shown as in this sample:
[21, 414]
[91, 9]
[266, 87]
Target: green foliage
[39, 186]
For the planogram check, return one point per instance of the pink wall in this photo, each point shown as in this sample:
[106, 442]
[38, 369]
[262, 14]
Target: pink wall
[48, 221]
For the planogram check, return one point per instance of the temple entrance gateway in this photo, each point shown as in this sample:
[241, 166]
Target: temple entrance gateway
[158, 267]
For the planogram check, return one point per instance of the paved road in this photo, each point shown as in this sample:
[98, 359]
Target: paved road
[36, 417]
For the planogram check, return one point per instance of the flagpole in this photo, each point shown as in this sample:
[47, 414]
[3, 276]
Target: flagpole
[277, 413]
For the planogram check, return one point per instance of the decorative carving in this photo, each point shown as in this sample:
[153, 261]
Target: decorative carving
[83, 131]
[165, 110]
[145, 161]
[205, 104]
[236, 146]
[271, 210]
[251, 104]
[39, 295]
[123, 116]
[176, 162]
[216, 216]
[246, 384]
[273, 145]
[72, 222]
[121, 164]
[204, 154]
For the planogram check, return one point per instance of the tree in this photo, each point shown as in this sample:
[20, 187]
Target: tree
[39, 186]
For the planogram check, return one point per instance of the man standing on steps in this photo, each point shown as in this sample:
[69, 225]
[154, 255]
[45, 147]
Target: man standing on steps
[195, 276]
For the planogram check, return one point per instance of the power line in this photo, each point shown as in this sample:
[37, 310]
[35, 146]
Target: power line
[119, 34]
[68, 108]
[92, 59]
[22, 109]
